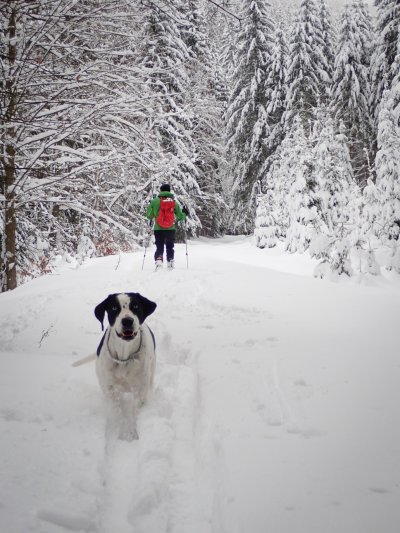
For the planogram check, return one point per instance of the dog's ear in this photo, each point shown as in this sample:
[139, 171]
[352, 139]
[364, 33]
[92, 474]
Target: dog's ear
[100, 311]
[147, 305]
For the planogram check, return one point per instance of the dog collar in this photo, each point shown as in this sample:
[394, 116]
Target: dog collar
[132, 356]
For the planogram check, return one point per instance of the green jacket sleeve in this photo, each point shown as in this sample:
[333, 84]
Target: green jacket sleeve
[180, 215]
[151, 209]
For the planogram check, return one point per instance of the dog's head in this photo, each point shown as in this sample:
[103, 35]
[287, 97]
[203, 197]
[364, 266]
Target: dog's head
[125, 312]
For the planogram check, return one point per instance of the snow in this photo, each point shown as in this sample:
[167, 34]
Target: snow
[275, 406]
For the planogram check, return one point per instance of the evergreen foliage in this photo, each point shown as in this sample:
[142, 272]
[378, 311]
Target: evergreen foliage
[328, 33]
[308, 73]
[247, 115]
[351, 87]
[385, 50]
[266, 229]
[335, 197]
[388, 176]
[302, 212]
[275, 92]
[165, 56]
[206, 103]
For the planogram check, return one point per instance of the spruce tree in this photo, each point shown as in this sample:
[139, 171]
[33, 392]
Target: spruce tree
[301, 208]
[266, 230]
[276, 88]
[385, 50]
[388, 175]
[351, 88]
[308, 74]
[370, 227]
[247, 115]
[203, 99]
[165, 55]
[335, 195]
[328, 36]
[281, 175]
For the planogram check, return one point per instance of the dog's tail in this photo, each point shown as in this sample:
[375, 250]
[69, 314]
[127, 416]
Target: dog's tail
[85, 360]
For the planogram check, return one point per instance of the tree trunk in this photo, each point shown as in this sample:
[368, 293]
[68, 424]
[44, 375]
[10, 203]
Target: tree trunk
[10, 259]
[10, 221]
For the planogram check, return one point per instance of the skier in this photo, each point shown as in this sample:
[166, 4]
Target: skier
[165, 210]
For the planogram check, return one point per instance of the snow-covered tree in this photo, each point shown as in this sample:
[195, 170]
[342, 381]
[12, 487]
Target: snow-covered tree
[333, 174]
[68, 110]
[328, 36]
[370, 226]
[207, 109]
[308, 73]
[300, 203]
[275, 92]
[282, 173]
[351, 87]
[335, 198]
[164, 55]
[388, 175]
[247, 116]
[366, 240]
[266, 229]
[383, 63]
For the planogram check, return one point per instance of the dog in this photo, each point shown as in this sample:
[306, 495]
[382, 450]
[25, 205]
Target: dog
[126, 356]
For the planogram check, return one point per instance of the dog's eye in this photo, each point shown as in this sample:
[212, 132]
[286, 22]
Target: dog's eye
[115, 308]
[135, 306]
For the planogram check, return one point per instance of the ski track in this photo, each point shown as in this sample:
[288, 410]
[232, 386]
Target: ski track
[175, 478]
[150, 484]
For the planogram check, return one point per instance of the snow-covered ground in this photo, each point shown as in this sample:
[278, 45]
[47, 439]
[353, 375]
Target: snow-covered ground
[276, 406]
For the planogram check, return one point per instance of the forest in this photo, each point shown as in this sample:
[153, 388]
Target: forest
[269, 118]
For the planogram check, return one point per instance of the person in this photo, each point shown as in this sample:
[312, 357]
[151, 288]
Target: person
[164, 226]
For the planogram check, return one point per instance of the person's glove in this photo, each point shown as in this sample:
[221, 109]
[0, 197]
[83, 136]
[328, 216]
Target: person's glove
[185, 210]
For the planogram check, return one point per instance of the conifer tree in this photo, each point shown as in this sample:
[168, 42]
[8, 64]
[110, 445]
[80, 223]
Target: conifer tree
[383, 65]
[335, 196]
[371, 223]
[281, 175]
[301, 208]
[266, 229]
[370, 227]
[388, 174]
[276, 89]
[165, 55]
[328, 37]
[351, 88]
[247, 115]
[308, 68]
[203, 99]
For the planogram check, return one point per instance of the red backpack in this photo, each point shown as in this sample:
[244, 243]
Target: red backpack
[166, 215]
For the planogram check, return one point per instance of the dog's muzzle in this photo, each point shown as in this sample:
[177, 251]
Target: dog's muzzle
[128, 333]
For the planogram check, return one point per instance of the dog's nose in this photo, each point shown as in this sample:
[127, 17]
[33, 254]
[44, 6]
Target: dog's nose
[127, 323]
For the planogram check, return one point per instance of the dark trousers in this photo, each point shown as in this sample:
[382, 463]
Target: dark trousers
[164, 237]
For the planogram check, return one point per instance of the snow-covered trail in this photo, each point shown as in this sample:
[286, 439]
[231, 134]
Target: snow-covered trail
[275, 406]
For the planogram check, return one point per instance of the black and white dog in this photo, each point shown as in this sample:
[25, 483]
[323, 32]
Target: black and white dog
[126, 355]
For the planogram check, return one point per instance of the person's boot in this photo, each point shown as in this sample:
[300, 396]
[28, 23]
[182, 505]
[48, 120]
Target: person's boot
[159, 262]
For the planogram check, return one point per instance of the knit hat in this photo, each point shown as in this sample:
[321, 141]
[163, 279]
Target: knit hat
[165, 188]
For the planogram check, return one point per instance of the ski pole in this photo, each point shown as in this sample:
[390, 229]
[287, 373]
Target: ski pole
[187, 255]
[147, 242]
